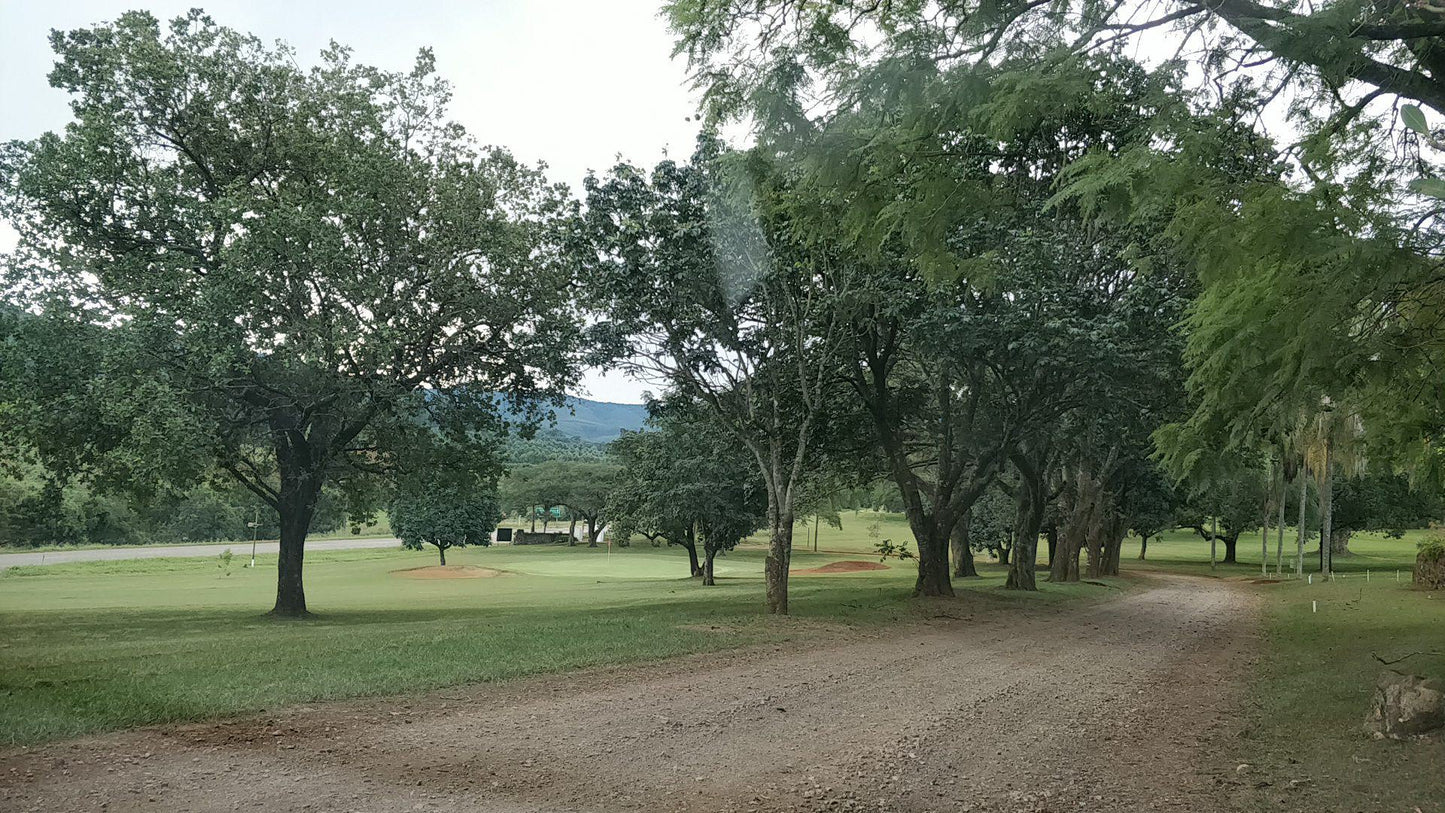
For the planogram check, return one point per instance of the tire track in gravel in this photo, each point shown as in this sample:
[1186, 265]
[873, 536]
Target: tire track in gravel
[1120, 705]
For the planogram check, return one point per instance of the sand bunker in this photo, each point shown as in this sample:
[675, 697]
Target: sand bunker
[448, 572]
[842, 567]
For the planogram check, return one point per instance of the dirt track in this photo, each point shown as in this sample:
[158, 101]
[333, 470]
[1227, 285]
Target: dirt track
[1120, 706]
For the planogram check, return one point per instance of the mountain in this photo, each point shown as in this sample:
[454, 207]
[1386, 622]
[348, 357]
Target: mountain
[599, 421]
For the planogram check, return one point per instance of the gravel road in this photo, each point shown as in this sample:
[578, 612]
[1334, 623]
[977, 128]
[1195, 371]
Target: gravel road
[1121, 705]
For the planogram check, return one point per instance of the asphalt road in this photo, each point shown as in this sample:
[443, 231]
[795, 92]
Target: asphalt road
[241, 549]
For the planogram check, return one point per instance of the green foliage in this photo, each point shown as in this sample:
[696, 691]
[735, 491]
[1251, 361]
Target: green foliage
[298, 277]
[1433, 548]
[680, 477]
[991, 523]
[444, 511]
[583, 487]
[1381, 501]
[888, 549]
[1414, 119]
[551, 444]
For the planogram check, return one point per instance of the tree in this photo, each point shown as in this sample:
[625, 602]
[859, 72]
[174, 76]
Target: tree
[991, 524]
[445, 512]
[583, 487]
[1230, 501]
[703, 288]
[1379, 501]
[1151, 506]
[1341, 56]
[683, 480]
[285, 267]
[1319, 274]
[653, 493]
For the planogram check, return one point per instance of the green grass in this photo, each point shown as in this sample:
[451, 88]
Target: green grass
[1314, 687]
[99, 646]
[105, 645]
[1186, 551]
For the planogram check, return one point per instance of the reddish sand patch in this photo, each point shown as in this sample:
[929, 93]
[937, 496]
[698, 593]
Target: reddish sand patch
[448, 572]
[851, 566]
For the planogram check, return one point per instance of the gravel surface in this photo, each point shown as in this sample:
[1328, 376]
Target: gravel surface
[1121, 705]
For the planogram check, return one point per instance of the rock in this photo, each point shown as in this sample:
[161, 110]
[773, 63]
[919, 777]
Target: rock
[1405, 706]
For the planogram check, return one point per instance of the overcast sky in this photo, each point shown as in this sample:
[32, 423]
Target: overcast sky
[575, 83]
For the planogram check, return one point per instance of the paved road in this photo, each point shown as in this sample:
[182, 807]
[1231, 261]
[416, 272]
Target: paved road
[172, 551]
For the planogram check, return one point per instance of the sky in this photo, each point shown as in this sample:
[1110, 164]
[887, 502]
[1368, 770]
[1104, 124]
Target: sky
[575, 83]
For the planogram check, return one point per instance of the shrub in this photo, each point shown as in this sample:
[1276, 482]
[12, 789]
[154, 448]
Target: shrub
[1430, 564]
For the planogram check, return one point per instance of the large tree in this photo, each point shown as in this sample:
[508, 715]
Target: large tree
[705, 289]
[294, 271]
[445, 511]
[684, 481]
[1318, 262]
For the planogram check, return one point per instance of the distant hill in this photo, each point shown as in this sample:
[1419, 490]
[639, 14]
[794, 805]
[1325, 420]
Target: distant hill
[599, 421]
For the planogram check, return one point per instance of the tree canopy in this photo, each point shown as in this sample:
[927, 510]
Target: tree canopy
[292, 275]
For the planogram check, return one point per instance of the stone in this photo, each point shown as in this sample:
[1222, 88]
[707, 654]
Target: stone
[1406, 706]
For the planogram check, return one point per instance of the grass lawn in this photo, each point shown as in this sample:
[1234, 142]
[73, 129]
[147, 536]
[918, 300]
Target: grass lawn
[105, 645]
[1377, 553]
[1314, 687]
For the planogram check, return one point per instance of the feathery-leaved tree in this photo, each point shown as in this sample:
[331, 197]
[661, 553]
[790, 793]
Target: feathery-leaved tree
[704, 289]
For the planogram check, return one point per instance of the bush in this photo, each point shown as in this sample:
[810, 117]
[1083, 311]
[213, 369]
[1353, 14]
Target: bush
[1430, 564]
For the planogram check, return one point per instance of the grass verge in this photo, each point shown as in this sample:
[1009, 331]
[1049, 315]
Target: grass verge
[100, 646]
[1314, 688]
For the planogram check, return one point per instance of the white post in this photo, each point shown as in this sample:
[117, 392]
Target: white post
[255, 523]
[1314, 606]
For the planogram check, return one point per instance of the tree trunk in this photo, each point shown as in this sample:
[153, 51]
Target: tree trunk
[442, 551]
[571, 529]
[690, 542]
[1213, 542]
[1143, 546]
[780, 555]
[707, 578]
[534, 519]
[1003, 555]
[1299, 554]
[1053, 537]
[1231, 547]
[1113, 546]
[963, 566]
[1279, 526]
[1094, 545]
[1327, 507]
[932, 564]
[1264, 530]
[591, 531]
[1064, 566]
[1029, 518]
[296, 504]
[1340, 542]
